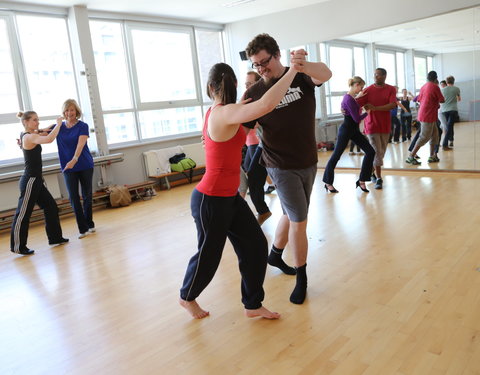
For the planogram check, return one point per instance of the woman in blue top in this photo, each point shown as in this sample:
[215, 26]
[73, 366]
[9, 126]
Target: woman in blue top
[77, 165]
[349, 130]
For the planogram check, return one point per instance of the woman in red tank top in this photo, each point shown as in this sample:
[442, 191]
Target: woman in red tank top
[217, 208]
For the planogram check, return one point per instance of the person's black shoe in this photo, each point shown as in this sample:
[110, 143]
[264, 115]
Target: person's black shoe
[270, 189]
[379, 184]
[61, 241]
[25, 251]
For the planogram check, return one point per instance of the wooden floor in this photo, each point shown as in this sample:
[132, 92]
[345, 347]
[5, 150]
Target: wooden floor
[465, 156]
[394, 288]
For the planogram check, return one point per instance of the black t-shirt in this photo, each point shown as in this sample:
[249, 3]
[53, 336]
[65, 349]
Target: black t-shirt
[33, 160]
[288, 138]
[406, 104]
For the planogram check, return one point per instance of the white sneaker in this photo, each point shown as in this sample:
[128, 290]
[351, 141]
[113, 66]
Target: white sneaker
[91, 230]
[81, 235]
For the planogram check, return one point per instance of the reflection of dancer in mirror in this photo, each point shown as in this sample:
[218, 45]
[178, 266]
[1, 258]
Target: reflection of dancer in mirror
[406, 115]
[430, 98]
[32, 187]
[378, 99]
[256, 172]
[349, 130]
[451, 94]
[217, 208]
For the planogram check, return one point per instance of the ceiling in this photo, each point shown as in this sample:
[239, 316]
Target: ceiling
[455, 32]
[218, 11]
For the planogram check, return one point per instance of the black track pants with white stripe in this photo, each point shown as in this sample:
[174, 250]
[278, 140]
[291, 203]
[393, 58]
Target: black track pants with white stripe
[219, 218]
[33, 191]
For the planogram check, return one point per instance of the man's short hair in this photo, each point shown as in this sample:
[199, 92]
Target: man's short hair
[384, 72]
[432, 76]
[262, 42]
[450, 80]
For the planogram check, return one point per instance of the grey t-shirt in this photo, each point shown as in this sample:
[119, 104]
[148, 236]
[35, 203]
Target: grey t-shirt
[450, 94]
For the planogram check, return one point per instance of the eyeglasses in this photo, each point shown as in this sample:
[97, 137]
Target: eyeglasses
[262, 64]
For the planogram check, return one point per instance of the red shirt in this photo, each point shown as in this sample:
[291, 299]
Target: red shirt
[429, 98]
[378, 121]
[222, 164]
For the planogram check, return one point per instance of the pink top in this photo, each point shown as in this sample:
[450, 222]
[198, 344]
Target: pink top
[252, 138]
[222, 160]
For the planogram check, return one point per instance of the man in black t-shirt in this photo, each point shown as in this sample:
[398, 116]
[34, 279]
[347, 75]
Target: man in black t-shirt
[289, 149]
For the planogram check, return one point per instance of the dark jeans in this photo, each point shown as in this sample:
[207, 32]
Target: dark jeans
[395, 129]
[257, 175]
[406, 121]
[450, 116]
[83, 214]
[349, 131]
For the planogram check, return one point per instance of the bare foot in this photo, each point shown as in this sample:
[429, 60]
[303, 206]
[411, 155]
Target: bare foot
[262, 312]
[194, 309]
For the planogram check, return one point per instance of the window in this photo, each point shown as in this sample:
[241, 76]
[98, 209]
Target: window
[420, 72]
[48, 66]
[210, 52]
[152, 77]
[386, 60]
[8, 89]
[42, 83]
[163, 65]
[111, 65]
[345, 61]
[401, 83]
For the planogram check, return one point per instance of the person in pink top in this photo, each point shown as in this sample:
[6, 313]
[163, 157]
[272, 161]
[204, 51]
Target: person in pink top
[378, 99]
[217, 208]
[430, 98]
[257, 174]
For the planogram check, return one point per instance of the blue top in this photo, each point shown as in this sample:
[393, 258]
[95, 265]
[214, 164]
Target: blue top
[352, 109]
[67, 140]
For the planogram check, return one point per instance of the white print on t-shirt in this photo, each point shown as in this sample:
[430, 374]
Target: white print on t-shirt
[293, 94]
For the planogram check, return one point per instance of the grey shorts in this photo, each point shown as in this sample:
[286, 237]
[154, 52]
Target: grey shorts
[379, 142]
[294, 187]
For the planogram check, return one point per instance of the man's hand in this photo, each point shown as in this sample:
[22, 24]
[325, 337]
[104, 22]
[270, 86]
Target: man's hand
[369, 107]
[298, 60]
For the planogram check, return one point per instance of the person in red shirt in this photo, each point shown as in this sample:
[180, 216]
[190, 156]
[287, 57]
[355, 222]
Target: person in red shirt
[217, 208]
[378, 99]
[430, 98]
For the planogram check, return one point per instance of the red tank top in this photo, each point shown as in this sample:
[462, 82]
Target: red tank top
[222, 164]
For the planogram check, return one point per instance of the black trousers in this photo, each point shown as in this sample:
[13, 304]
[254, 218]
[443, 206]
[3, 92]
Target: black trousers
[349, 131]
[33, 191]
[406, 121]
[257, 175]
[395, 129]
[449, 134]
[219, 218]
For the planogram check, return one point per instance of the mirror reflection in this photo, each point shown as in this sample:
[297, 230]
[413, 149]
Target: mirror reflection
[448, 44]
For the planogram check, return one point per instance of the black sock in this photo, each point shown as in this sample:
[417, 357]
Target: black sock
[300, 292]
[275, 259]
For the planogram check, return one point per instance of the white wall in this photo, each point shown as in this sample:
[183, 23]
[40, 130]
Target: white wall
[465, 67]
[335, 19]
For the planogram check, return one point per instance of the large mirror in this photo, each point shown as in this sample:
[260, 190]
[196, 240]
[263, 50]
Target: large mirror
[448, 44]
